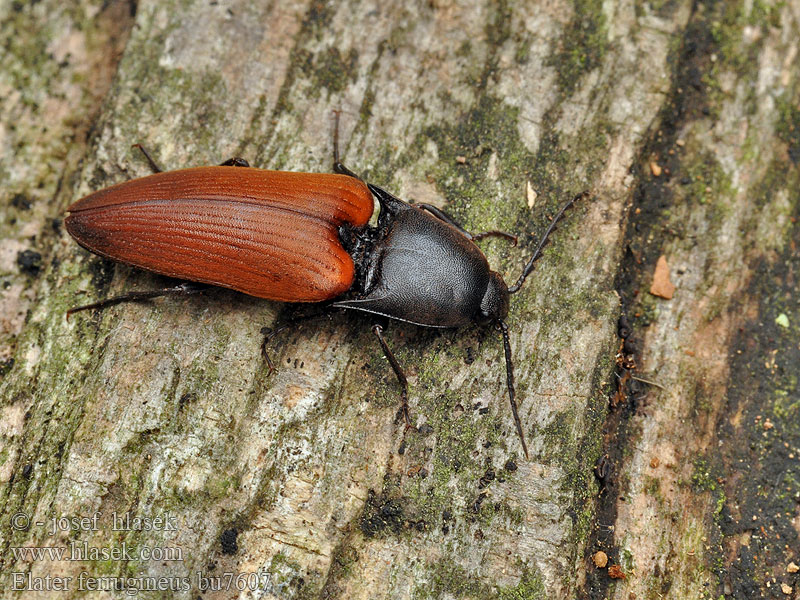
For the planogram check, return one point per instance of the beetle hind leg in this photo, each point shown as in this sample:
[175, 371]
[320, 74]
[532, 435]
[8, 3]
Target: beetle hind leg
[183, 289]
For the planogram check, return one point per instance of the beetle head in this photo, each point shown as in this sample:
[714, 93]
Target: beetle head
[494, 305]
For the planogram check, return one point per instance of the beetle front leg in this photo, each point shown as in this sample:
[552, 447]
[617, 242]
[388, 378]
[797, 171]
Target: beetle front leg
[398, 371]
[183, 289]
[443, 216]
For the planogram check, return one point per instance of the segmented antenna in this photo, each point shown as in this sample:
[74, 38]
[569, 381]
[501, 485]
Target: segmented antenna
[538, 252]
[512, 396]
[503, 327]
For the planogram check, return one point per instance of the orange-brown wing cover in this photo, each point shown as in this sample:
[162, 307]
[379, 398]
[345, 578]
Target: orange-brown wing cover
[271, 234]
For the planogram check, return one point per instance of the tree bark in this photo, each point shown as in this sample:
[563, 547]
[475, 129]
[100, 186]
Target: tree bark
[683, 121]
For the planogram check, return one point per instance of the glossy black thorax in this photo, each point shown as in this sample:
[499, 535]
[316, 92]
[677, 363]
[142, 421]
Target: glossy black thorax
[416, 268]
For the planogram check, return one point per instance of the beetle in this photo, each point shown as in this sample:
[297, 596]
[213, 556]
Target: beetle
[303, 237]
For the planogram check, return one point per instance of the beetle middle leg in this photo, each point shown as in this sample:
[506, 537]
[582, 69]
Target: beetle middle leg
[153, 164]
[443, 216]
[182, 289]
[292, 320]
[398, 371]
[236, 161]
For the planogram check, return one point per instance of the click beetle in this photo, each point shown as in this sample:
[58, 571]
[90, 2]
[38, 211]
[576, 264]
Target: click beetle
[302, 237]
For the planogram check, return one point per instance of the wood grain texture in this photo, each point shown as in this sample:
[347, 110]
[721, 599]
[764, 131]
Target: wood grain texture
[269, 234]
[682, 117]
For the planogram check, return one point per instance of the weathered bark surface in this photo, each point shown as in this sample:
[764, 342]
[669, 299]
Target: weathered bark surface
[684, 121]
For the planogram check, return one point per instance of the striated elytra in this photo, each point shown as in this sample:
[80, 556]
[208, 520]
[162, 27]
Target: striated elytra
[269, 234]
[302, 237]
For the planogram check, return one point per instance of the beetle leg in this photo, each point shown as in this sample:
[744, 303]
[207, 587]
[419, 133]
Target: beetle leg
[270, 333]
[443, 216]
[236, 161]
[182, 289]
[398, 371]
[153, 164]
[503, 327]
[338, 166]
[495, 233]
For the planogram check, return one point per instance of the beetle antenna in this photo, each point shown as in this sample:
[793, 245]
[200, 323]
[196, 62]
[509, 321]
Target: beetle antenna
[538, 253]
[512, 397]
